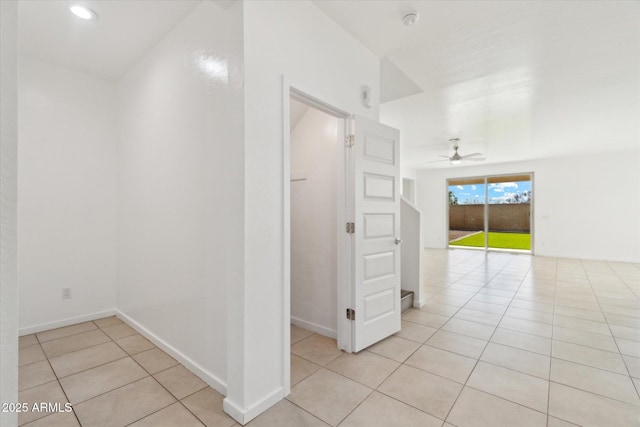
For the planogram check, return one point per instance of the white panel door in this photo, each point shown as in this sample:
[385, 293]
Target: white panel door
[376, 248]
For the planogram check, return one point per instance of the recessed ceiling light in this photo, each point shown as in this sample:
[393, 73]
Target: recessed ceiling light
[83, 12]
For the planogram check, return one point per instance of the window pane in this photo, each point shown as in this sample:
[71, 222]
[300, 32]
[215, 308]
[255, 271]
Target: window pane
[509, 199]
[466, 213]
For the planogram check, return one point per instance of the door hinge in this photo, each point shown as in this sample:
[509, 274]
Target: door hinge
[349, 140]
[351, 314]
[351, 228]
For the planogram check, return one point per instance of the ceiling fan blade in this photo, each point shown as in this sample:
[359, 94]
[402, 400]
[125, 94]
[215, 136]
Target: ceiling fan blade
[476, 159]
[471, 155]
[436, 161]
[446, 157]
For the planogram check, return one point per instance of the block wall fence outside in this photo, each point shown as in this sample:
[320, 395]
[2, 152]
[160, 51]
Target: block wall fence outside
[502, 217]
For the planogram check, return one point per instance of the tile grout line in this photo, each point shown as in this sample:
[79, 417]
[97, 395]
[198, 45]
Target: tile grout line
[97, 366]
[587, 279]
[313, 415]
[326, 367]
[606, 397]
[92, 346]
[403, 362]
[620, 277]
[165, 388]
[624, 362]
[553, 319]
[65, 336]
[122, 358]
[527, 333]
[75, 351]
[487, 341]
[60, 384]
[332, 371]
[150, 375]
[127, 355]
[486, 282]
[492, 334]
[356, 407]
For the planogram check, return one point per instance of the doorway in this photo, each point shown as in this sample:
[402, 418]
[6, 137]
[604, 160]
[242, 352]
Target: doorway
[366, 226]
[491, 212]
[314, 167]
[315, 153]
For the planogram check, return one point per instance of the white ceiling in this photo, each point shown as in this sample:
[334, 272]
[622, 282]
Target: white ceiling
[514, 80]
[108, 47]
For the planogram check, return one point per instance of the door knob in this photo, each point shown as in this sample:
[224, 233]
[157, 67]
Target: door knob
[398, 240]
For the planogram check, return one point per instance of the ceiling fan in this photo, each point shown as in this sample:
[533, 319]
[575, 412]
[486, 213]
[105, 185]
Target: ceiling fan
[457, 158]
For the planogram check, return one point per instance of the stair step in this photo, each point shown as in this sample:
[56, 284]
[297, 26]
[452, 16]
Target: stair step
[406, 300]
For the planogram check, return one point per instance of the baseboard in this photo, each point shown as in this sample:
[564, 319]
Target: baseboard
[233, 410]
[64, 322]
[419, 303]
[542, 253]
[244, 416]
[215, 382]
[318, 329]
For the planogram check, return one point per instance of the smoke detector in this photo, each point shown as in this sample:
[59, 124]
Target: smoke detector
[410, 18]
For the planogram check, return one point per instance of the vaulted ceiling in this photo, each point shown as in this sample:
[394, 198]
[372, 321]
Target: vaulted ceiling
[515, 80]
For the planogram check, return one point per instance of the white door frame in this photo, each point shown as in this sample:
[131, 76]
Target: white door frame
[344, 264]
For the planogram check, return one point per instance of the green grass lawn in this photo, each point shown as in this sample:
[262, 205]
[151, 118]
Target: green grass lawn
[497, 240]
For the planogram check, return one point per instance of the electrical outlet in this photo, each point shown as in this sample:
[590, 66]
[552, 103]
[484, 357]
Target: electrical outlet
[66, 293]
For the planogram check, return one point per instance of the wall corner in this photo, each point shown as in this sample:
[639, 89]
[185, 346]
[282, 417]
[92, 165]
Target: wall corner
[8, 208]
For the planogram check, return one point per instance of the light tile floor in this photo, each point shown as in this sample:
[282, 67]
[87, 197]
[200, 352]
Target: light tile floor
[112, 376]
[503, 340]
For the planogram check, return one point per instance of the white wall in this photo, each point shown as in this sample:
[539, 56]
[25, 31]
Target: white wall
[180, 217]
[67, 195]
[8, 209]
[585, 206]
[412, 250]
[298, 41]
[314, 152]
[406, 120]
[391, 116]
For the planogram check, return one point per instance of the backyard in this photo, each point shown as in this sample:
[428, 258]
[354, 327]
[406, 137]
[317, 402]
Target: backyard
[496, 240]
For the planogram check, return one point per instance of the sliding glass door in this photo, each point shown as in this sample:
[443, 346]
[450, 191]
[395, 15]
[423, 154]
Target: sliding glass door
[491, 212]
[467, 212]
[509, 212]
